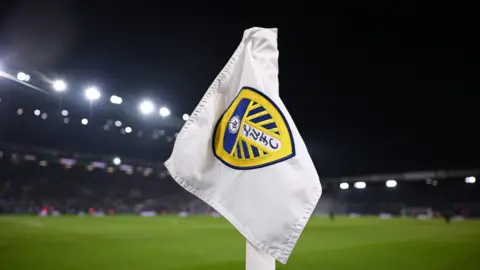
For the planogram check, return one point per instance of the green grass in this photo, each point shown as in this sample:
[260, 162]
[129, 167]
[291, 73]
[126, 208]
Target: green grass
[197, 243]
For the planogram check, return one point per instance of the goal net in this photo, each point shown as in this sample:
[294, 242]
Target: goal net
[417, 212]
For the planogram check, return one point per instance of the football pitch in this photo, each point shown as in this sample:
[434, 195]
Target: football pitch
[198, 243]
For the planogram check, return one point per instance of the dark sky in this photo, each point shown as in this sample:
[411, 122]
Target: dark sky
[372, 87]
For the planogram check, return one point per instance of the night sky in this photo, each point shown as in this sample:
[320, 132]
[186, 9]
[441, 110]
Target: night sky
[372, 87]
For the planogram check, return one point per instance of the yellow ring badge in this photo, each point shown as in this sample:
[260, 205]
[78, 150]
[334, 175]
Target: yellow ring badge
[252, 133]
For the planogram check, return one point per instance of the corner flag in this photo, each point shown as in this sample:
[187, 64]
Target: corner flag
[241, 152]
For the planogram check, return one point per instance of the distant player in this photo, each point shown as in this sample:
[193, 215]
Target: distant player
[44, 212]
[447, 215]
[331, 215]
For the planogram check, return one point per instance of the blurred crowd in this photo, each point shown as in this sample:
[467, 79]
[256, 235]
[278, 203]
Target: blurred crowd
[30, 183]
[27, 186]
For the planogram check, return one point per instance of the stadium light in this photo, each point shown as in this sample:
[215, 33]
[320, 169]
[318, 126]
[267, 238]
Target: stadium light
[64, 113]
[118, 123]
[344, 185]
[59, 86]
[391, 183]
[116, 99]
[44, 116]
[84, 121]
[128, 129]
[164, 112]
[185, 117]
[470, 180]
[146, 107]
[36, 112]
[92, 93]
[360, 185]
[21, 76]
[117, 161]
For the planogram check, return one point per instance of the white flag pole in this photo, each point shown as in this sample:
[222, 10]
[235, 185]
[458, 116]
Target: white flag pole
[258, 260]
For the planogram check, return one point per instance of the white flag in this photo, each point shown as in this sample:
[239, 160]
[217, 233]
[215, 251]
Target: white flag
[241, 153]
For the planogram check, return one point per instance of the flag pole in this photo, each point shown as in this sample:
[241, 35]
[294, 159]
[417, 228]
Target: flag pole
[258, 260]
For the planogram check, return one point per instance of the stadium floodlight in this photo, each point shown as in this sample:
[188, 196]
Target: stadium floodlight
[22, 76]
[59, 86]
[36, 112]
[92, 93]
[64, 113]
[44, 116]
[118, 123]
[116, 99]
[470, 180]
[360, 185]
[164, 112]
[128, 129]
[344, 185]
[391, 183]
[117, 161]
[146, 107]
[84, 121]
[185, 117]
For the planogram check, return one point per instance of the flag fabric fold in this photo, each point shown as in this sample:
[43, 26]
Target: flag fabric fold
[242, 154]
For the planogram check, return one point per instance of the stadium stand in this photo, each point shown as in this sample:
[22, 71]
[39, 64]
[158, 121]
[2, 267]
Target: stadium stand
[31, 182]
[75, 183]
[449, 194]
